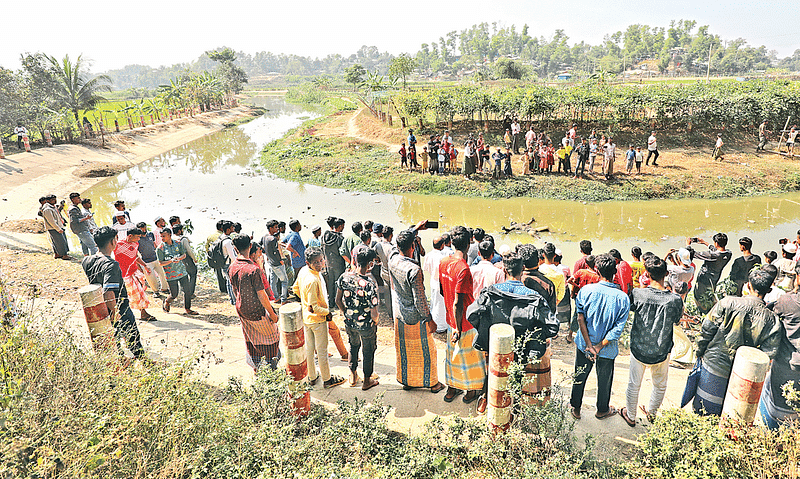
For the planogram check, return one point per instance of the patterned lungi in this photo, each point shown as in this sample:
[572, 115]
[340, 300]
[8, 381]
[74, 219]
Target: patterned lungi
[416, 355]
[465, 366]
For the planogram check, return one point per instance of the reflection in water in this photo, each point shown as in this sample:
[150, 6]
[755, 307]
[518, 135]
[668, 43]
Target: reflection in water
[208, 179]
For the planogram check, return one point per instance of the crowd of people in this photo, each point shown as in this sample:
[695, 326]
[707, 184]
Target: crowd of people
[473, 284]
[539, 154]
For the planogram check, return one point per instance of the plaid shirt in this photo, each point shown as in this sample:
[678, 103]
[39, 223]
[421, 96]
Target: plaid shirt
[409, 303]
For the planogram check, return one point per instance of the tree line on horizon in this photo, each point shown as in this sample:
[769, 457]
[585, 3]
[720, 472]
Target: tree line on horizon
[683, 48]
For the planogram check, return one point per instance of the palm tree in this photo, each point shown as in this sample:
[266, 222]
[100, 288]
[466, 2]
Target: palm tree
[73, 88]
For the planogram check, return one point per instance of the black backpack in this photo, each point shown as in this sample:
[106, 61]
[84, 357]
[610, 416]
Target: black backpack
[216, 256]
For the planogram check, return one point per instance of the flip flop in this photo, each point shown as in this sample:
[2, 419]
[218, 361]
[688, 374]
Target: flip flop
[650, 417]
[612, 411]
[467, 399]
[453, 397]
[437, 387]
[624, 413]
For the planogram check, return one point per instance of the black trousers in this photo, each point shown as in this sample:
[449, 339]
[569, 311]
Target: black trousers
[221, 281]
[649, 154]
[605, 377]
[175, 285]
[369, 339]
[191, 270]
[125, 330]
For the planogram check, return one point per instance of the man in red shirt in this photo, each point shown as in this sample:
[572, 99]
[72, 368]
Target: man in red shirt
[578, 280]
[586, 250]
[624, 276]
[258, 319]
[465, 366]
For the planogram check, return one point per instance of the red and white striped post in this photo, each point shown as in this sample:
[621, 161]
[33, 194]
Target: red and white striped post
[130, 123]
[2, 151]
[48, 138]
[294, 344]
[27, 143]
[151, 120]
[116, 125]
[744, 387]
[141, 120]
[97, 317]
[501, 354]
[170, 115]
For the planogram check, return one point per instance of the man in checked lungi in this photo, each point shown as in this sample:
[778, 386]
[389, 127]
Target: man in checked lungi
[734, 321]
[464, 366]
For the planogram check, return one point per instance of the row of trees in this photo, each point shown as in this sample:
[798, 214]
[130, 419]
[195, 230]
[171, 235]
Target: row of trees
[728, 105]
[51, 93]
[682, 46]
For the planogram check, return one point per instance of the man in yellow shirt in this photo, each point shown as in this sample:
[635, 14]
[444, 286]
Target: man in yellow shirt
[316, 315]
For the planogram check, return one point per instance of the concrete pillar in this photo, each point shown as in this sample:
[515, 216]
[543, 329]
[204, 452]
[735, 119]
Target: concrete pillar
[294, 350]
[536, 389]
[501, 354]
[130, 123]
[48, 138]
[27, 143]
[2, 151]
[97, 317]
[116, 125]
[744, 387]
[389, 118]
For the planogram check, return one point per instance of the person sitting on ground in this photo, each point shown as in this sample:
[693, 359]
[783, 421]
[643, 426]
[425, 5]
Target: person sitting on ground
[259, 328]
[602, 313]
[656, 310]
[316, 315]
[357, 299]
[732, 322]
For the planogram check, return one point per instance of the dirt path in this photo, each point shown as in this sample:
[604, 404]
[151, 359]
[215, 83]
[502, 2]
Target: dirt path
[24, 177]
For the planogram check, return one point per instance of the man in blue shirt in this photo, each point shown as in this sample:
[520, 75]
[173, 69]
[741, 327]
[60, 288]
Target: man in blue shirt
[602, 312]
[294, 240]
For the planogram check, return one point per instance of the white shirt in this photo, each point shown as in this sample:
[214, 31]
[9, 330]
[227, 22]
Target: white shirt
[228, 250]
[652, 144]
[719, 143]
[485, 274]
[515, 129]
[530, 136]
[122, 230]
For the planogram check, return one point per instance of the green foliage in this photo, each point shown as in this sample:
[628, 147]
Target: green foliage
[684, 445]
[402, 66]
[732, 105]
[87, 415]
[508, 68]
[354, 74]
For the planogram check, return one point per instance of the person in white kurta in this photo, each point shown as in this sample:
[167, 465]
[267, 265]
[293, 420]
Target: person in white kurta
[431, 269]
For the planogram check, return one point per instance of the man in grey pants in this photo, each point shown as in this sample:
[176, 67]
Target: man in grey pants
[55, 227]
[79, 224]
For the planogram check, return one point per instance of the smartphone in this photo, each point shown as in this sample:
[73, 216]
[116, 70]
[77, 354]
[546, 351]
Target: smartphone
[694, 240]
[432, 224]
[783, 241]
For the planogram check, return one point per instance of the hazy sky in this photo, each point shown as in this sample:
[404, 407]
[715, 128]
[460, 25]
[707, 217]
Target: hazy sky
[117, 33]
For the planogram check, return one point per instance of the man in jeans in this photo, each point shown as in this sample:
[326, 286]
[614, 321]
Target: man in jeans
[655, 311]
[316, 315]
[357, 299]
[278, 279]
[602, 313]
[79, 224]
[171, 255]
[154, 274]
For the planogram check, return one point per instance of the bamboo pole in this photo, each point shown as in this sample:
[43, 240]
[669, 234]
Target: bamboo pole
[788, 118]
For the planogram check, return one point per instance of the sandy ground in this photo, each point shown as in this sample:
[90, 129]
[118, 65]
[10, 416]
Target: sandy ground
[24, 177]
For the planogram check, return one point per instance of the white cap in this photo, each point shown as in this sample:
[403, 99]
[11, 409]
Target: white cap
[684, 256]
[119, 213]
[503, 250]
[790, 248]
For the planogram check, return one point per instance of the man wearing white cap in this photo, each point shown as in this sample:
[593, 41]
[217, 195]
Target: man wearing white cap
[122, 225]
[314, 240]
[160, 224]
[681, 270]
[787, 268]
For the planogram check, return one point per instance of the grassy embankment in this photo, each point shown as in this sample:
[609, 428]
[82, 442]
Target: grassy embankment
[320, 152]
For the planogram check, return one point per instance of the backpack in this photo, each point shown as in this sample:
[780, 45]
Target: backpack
[216, 257]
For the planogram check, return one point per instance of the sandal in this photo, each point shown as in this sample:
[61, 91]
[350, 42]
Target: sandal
[612, 411]
[437, 387]
[450, 397]
[650, 416]
[575, 413]
[481, 407]
[468, 399]
[333, 381]
[165, 305]
[624, 413]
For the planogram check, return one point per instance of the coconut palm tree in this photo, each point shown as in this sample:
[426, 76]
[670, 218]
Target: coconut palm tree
[74, 90]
